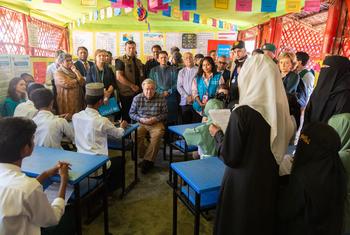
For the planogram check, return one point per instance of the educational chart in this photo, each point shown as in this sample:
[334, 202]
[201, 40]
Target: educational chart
[150, 39]
[126, 36]
[189, 41]
[85, 39]
[232, 36]
[107, 41]
[202, 42]
[10, 67]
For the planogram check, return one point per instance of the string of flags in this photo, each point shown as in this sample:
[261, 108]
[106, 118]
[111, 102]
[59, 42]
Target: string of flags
[185, 10]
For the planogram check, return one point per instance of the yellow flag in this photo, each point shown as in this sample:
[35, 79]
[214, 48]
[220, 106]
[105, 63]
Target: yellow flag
[222, 4]
[204, 19]
[176, 13]
[293, 5]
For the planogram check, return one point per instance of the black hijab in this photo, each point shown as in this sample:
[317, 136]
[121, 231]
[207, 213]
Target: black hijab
[321, 175]
[333, 89]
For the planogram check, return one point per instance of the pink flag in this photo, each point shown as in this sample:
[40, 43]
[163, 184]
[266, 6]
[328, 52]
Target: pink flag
[214, 22]
[243, 5]
[53, 1]
[123, 4]
[186, 15]
[312, 5]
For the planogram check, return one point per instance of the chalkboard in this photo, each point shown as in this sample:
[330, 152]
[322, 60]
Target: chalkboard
[189, 41]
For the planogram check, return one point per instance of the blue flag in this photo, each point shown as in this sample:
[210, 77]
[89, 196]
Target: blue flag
[268, 5]
[196, 18]
[167, 12]
[188, 5]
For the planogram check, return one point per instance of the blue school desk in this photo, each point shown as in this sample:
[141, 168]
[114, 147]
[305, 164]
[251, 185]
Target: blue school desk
[82, 166]
[176, 132]
[198, 187]
[126, 143]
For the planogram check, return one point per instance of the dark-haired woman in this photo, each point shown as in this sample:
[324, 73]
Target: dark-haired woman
[16, 94]
[313, 203]
[204, 85]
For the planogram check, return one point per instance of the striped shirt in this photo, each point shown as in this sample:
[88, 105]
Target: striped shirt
[146, 108]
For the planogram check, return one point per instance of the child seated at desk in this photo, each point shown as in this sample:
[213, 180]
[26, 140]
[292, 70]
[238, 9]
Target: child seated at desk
[50, 128]
[24, 207]
[91, 129]
[200, 135]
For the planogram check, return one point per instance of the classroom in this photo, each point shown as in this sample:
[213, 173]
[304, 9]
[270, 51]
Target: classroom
[152, 117]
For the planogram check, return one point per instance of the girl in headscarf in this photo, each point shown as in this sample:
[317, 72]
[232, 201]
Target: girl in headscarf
[313, 203]
[341, 124]
[332, 93]
[255, 141]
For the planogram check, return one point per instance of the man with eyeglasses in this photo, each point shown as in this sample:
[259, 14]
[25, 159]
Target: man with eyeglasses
[239, 55]
[221, 64]
[154, 61]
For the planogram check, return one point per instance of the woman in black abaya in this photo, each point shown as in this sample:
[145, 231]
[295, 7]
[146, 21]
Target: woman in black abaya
[254, 144]
[332, 92]
[313, 203]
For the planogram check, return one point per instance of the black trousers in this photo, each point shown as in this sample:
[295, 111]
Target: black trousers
[126, 102]
[187, 114]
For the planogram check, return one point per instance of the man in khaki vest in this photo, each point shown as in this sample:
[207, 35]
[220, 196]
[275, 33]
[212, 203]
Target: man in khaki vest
[129, 74]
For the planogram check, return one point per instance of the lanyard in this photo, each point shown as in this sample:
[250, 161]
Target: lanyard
[98, 75]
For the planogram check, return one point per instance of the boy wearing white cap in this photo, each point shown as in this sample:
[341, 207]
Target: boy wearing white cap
[90, 127]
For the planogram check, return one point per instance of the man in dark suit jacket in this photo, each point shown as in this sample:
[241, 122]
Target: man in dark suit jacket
[83, 64]
[221, 64]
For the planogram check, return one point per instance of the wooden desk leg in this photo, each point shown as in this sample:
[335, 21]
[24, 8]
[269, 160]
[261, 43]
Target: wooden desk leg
[105, 201]
[174, 203]
[197, 214]
[77, 208]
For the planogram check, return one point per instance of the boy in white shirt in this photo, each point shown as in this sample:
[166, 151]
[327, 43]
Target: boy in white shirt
[92, 130]
[50, 128]
[24, 207]
[27, 109]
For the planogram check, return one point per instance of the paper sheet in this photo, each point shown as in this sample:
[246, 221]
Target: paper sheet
[220, 117]
[52, 191]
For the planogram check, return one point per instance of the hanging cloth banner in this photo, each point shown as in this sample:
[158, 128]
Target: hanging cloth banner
[102, 14]
[117, 11]
[293, 5]
[167, 1]
[312, 5]
[204, 20]
[53, 1]
[122, 4]
[188, 5]
[157, 5]
[167, 13]
[109, 12]
[214, 22]
[222, 4]
[268, 5]
[196, 18]
[186, 15]
[243, 5]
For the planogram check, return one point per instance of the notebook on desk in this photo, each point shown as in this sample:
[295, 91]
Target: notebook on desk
[110, 108]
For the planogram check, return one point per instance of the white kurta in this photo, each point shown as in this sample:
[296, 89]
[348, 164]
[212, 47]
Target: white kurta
[92, 130]
[51, 129]
[24, 207]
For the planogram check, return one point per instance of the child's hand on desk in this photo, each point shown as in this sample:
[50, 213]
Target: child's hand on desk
[123, 124]
[63, 171]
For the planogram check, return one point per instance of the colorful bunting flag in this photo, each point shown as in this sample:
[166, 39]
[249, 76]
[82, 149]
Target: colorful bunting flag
[117, 11]
[196, 18]
[128, 10]
[221, 24]
[222, 4]
[89, 3]
[122, 4]
[157, 5]
[109, 12]
[312, 5]
[167, 13]
[53, 1]
[167, 1]
[91, 16]
[176, 13]
[186, 15]
[78, 22]
[102, 14]
[243, 5]
[204, 20]
[293, 5]
[96, 15]
[268, 5]
[214, 22]
[188, 5]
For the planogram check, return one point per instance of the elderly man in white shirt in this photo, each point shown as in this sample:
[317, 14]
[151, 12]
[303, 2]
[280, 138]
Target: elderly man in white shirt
[27, 109]
[24, 207]
[50, 128]
[184, 87]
